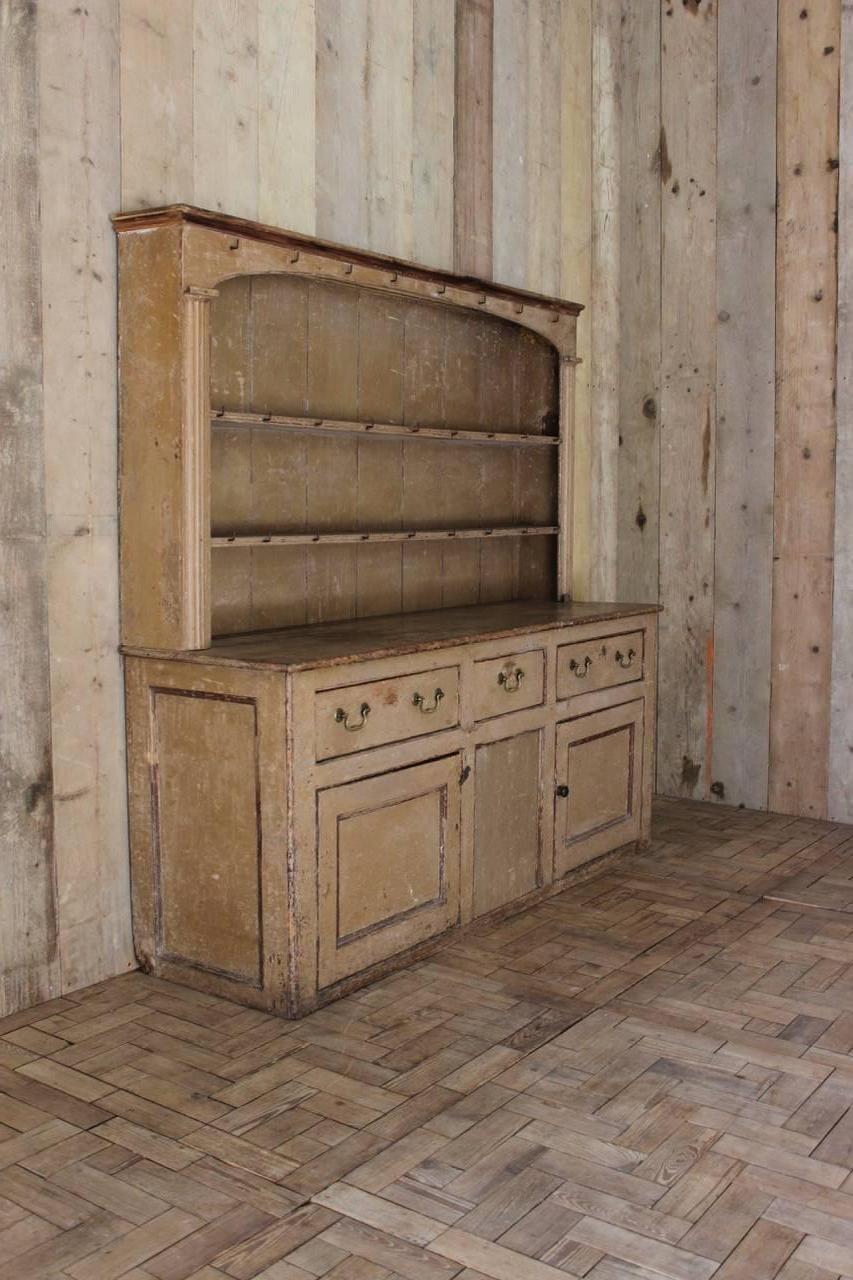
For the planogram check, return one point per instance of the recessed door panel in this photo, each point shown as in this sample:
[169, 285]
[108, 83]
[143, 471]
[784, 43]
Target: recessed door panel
[388, 864]
[597, 802]
[507, 809]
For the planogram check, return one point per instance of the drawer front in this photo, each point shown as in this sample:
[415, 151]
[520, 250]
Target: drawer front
[360, 716]
[599, 664]
[509, 683]
[388, 872]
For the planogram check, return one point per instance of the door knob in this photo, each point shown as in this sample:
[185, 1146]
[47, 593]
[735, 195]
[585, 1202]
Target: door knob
[562, 792]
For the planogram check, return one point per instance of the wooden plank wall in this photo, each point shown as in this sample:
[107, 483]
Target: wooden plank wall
[451, 131]
[841, 748]
[617, 151]
[28, 936]
[732, 269]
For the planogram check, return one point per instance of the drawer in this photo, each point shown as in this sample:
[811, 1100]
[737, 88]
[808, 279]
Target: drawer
[360, 716]
[599, 664]
[509, 683]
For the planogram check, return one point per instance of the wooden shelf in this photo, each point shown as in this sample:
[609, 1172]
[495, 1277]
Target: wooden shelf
[398, 431]
[390, 535]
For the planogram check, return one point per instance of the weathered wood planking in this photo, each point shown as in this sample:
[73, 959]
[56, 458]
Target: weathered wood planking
[689, 108]
[80, 179]
[510, 152]
[543, 146]
[526, 193]
[225, 105]
[156, 42]
[840, 806]
[605, 300]
[433, 109]
[644, 165]
[746, 249]
[807, 141]
[28, 923]
[473, 159]
[341, 120]
[286, 114]
[576, 265]
[390, 125]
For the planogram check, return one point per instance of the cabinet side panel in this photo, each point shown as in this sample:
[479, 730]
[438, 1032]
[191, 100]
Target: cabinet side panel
[150, 483]
[207, 831]
[507, 811]
[208, 817]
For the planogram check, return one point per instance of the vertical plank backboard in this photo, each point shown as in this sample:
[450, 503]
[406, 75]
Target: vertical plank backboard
[341, 112]
[576, 268]
[543, 146]
[389, 77]
[432, 138]
[28, 923]
[689, 107]
[806, 259]
[511, 76]
[286, 114]
[644, 165]
[604, 373]
[80, 180]
[225, 105]
[156, 43]
[746, 248]
[473, 138]
[841, 743]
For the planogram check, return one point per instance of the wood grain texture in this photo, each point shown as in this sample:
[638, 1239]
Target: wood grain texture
[225, 105]
[286, 113]
[638, 492]
[156, 51]
[341, 115]
[576, 258]
[434, 113]
[840, 799]
[79, 158]
[526, 194]
[29, 969]
[679, 1106]
[688, 346]
[606, 272]
[473, 157]
[806, 266]
[745, 393]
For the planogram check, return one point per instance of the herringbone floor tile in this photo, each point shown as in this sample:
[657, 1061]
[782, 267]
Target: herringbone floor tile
[649, 1075]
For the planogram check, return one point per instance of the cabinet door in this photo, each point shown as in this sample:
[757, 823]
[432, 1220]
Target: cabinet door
[388, 864]
[599, 771]
[507, 805]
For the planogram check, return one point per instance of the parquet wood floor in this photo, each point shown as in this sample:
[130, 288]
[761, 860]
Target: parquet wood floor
[647, 1076]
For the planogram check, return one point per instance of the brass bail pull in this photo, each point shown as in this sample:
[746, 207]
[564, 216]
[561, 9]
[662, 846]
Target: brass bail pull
[625, 659]
[423, 706]
[342, 717]
[511, 680]
[580, 668]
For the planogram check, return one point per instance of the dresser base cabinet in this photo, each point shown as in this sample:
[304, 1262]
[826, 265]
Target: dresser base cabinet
[313, 807]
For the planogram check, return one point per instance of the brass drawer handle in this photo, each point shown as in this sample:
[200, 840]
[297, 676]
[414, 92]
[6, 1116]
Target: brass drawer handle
[420, 702]
[511, 680]
[625, 659]
[342, 717]
[580, 668]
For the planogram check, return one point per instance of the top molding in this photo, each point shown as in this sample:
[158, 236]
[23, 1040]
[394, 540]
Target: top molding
[185, 214]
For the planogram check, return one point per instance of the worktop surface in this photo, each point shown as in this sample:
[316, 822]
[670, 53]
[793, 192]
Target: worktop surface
[332, 643]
